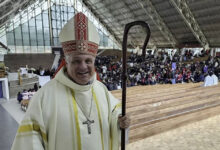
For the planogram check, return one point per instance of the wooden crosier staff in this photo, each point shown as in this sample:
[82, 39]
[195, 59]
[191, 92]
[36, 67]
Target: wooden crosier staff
[124, 73]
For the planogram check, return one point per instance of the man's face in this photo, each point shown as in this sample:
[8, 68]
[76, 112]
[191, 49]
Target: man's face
[81, 68]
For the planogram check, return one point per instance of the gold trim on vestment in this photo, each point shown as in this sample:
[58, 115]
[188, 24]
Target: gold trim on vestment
[99, 114]
[116, 106]
[77, 121]
[32, 126]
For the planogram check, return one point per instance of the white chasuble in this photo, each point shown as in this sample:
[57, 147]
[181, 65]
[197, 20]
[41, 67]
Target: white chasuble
[57, 112]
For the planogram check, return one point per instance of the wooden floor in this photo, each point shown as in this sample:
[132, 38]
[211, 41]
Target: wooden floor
[159, 108]
[200, 135]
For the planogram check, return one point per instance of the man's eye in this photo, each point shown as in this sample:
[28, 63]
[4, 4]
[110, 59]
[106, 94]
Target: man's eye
[88, 61]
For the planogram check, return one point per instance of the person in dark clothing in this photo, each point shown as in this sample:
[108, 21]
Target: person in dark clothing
[19, 97]
[35, 87]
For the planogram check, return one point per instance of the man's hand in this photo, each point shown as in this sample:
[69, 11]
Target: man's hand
[124, 122]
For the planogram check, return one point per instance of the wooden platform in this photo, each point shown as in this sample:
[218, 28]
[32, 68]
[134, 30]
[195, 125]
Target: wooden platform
[155, 109]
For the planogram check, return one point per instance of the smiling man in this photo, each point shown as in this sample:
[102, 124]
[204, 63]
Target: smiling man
[73, 111]
[80, 68]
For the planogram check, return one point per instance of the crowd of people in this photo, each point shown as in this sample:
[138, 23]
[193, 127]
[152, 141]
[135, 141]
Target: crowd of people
[161, 68]
[189, 55]
[155, 70]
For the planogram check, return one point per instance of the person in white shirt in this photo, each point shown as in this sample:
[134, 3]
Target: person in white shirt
[208, 81]
[215, 79]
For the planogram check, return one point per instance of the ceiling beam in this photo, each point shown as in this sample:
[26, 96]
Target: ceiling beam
[2, 4]
[4, 46]
[191, 22]
[117, 21]
[134, 17]
[15, 7]
[154, 15]
[102, 22]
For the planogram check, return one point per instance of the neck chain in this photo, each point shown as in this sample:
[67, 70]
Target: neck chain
[88, 120]
[90, 110]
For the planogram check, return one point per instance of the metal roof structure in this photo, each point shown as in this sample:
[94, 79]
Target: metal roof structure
[9, 8]
[173, 23]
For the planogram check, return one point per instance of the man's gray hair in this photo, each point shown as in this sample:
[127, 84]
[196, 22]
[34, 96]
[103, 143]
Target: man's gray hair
[67, 57]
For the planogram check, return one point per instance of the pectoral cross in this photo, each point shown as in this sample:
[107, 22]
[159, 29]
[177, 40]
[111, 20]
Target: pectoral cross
[89, 122]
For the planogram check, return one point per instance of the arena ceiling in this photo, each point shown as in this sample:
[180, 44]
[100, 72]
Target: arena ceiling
[173, 23]
[9, 8]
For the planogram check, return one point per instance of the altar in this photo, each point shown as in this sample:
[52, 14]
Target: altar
[5, 90]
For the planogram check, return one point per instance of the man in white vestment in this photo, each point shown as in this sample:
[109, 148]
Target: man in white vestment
[214, 79]
[73, 111]
[208, 81]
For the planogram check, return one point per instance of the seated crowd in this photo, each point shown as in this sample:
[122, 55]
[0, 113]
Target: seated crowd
[154, 70]
[189, 55]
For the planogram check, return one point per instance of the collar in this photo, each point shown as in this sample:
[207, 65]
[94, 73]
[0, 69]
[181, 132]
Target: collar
[65, 80]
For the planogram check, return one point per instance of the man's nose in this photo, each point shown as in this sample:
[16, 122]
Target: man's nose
[83, 65]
